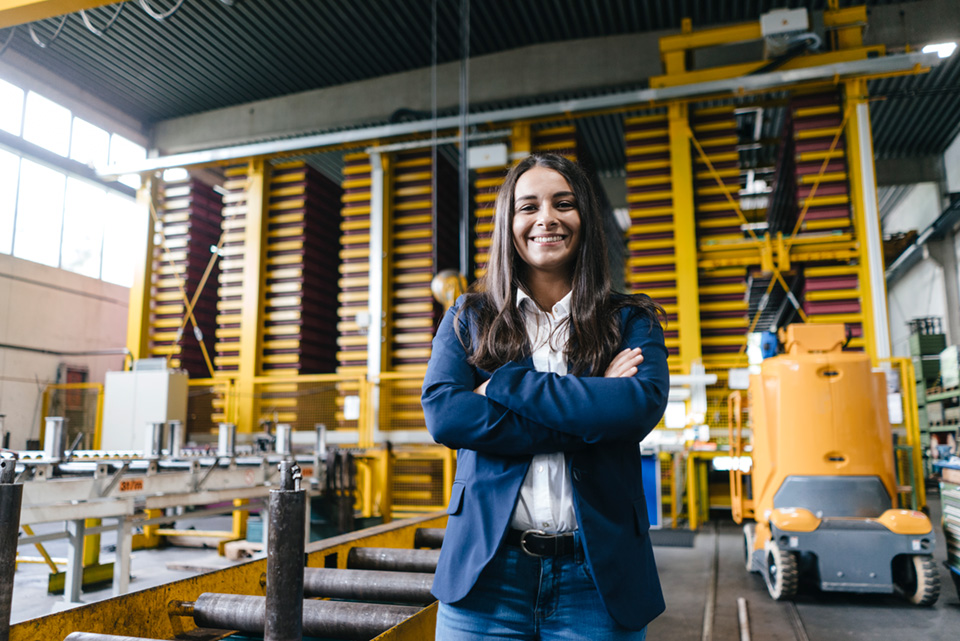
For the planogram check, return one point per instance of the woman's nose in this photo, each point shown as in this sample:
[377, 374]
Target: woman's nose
[547, 216]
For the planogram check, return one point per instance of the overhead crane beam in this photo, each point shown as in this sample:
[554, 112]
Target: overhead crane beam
[15, 12]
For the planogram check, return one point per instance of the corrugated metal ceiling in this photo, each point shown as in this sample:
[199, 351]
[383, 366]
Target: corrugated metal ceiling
[210, 55]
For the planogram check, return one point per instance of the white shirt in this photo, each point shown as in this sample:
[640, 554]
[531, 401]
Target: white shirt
[546, 496]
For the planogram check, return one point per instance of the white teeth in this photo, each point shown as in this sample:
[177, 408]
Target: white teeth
[547, 239]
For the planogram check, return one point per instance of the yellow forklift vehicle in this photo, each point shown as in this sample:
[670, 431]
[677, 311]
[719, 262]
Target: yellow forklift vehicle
[823, 479]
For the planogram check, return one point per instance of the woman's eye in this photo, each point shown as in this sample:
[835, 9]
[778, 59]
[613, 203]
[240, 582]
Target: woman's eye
[566, 204]
[527, 208]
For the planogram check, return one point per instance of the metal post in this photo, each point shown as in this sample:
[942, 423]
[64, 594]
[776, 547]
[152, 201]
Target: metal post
[153, 448]
[285, 560]
[284, 443]
[138, 314]
[54, 438]
[226, 440]
[11, 497]
[74, 578]
[121, 564]
[174, 439]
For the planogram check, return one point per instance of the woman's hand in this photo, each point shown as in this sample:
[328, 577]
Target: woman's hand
[482, 390]
[624, 364]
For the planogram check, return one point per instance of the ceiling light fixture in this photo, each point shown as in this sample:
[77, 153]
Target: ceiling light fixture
[943, 49]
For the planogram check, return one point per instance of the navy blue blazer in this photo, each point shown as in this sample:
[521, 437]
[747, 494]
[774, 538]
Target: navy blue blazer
[598, 422]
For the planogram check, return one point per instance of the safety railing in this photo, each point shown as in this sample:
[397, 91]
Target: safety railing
[909, 456]
[210, 401]
[82, 405]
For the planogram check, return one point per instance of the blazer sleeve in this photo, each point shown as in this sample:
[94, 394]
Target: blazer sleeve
[592, 408]
[459, 418]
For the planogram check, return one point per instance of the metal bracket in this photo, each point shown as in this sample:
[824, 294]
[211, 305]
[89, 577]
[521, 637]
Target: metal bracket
[116, 479]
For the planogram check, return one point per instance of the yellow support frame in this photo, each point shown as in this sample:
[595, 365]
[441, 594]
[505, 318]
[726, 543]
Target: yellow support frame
[138, 314]
[685, 235]
[15, 12]
[254, 285]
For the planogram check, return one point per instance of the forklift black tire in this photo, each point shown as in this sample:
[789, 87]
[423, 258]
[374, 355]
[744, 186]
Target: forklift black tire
[749, 537]
[917, 578]
[780, 572]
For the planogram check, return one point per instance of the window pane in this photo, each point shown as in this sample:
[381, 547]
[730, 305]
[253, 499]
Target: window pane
[11, 107]
[123, 150]
[10, 170]
[47, 124]
[39, 214]
[89, 144]
[82, 228]
[124, 239]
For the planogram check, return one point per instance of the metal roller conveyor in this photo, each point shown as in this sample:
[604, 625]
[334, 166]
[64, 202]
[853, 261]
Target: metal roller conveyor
[393, 559]
[428, 537]
[327, 619]
[368, 585]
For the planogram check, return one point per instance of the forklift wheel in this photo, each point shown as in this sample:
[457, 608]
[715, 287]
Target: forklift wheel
[780, 572]
[918, 578]
[748, 540]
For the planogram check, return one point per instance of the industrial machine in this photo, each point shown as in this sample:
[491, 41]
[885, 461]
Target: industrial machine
[823, 480]
[371, 584]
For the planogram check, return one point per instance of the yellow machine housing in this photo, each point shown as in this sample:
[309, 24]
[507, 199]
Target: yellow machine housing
[823, 478]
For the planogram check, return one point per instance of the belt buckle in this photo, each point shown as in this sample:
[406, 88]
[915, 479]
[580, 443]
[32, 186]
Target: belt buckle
[523, 542]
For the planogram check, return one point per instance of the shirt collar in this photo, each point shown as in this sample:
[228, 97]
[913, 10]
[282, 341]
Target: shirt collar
[560, 310]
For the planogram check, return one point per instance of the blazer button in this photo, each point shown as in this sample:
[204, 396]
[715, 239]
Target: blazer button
[576, 474]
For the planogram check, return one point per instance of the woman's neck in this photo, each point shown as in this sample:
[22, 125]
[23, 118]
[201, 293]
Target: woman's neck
[547, 289]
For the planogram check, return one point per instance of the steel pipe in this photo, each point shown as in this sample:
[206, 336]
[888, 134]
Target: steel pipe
[285, 559]
[11, 497]
[325, 619]
[393, 559]
[428, 537]
[368, 585]
[96, 636]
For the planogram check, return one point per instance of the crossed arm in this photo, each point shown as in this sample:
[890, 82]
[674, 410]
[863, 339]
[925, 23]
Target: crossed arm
[521, 412]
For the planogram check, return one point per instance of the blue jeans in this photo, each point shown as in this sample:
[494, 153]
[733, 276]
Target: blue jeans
[541, 599]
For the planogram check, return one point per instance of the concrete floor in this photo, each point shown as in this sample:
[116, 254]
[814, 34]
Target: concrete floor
[685, 574]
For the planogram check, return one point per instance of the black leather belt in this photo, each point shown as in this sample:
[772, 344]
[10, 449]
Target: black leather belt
[538, 543]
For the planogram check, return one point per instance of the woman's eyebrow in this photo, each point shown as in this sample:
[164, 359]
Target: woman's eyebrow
[559, 194]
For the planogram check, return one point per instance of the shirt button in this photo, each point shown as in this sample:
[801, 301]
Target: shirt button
[540, 468]
[545, 524]
[576, 474]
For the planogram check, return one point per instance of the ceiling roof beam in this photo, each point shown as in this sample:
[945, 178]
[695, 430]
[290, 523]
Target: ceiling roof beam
[716, 88]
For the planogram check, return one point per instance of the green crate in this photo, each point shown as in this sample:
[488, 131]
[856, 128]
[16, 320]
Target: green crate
[927, 344]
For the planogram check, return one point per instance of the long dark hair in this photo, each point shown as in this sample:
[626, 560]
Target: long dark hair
[594, 324]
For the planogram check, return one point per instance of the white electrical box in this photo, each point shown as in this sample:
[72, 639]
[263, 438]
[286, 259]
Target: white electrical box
[782, 21]
[133, 400]
[487, 156]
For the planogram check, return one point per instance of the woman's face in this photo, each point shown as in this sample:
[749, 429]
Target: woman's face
[546, 221]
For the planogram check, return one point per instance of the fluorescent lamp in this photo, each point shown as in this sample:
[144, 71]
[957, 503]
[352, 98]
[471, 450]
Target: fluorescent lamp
[943, 49]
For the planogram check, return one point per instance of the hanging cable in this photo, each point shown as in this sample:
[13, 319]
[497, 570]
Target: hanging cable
[433, 138]
[160, 16]
[464, 104]
[36, 39]
[6, 44]
[99, 32]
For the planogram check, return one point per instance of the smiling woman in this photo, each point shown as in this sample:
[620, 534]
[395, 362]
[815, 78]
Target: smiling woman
[546, 382]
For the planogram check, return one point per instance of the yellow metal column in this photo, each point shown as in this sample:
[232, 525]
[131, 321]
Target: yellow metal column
[138, 314]
[254, 277]
[866, 217]
[685, 235]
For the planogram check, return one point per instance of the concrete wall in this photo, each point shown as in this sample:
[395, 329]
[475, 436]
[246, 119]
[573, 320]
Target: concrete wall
[52, 309]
